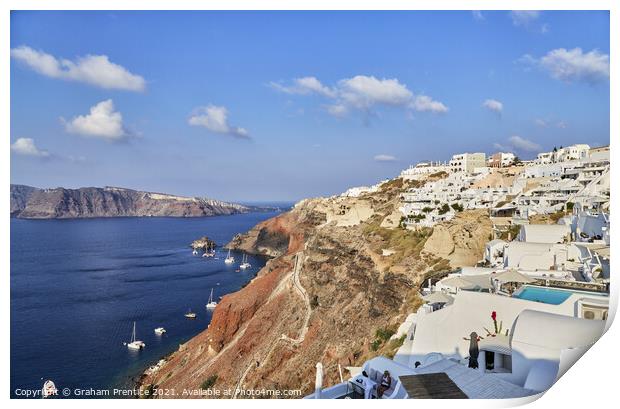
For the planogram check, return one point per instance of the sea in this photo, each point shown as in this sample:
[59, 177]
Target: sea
[77, 287]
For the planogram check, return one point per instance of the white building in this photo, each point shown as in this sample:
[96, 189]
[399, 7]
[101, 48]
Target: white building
[567, 154]
[494, 252]
[543, 257]
[424, 168]
[467, 162]
[523, 353]
[544, 233]
[501, 159]
[573, 152]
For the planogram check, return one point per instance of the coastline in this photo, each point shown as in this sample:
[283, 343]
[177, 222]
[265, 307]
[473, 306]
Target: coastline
[138, 381]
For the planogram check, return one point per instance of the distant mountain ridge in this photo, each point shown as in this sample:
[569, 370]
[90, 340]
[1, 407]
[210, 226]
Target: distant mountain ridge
[59, 203]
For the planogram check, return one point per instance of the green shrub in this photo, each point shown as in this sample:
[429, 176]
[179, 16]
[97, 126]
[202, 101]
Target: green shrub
[445, 208]
[384, 333]
[314, 301]
[209, 382]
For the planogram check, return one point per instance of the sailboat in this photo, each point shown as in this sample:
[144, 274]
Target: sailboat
[135, 344]
[229, 259]
[211, 304]
[245, 263]
[190, 314]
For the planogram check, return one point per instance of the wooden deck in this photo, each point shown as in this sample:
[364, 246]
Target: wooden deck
[431, 386]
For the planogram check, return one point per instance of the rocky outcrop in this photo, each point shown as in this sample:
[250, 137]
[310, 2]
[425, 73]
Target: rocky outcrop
[20, 194]
[322, 298]
[33, 203]
[461, 240]
[203, 243]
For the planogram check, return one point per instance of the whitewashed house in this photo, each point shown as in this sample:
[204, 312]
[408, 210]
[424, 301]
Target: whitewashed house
[544, 233]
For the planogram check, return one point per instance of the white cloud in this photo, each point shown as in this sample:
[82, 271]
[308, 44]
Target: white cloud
[541, 122]
[27, 147]
[503, 148]
[337, 110]
[524, 17]
[517, 143]
[215, 119]
[423, 103]
[95, 70]
[385, 158]
[477, 14]
[102, 122]
[575, 65]
[546, 123]
[305, 86]
[493, 105]
[529, 19]
[363, 93]
[571, 65]
[524, 144]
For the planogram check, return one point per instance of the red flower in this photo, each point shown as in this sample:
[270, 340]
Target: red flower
[493, 315]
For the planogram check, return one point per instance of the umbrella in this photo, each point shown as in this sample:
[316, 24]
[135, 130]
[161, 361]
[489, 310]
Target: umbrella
[437, 297]
[513, 276]
[318, 383]
[458, 282]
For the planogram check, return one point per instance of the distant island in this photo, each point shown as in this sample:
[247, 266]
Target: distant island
[29, 202]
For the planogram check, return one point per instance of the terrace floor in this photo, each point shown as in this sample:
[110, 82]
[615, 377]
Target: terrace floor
[474, 383]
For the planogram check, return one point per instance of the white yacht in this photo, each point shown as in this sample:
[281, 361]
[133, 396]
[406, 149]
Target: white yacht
[190, 314]
[160, 331]
[49, 389]
[211, 304]
[229, 259]
[135, 344]
[195, 252]
[244, 263]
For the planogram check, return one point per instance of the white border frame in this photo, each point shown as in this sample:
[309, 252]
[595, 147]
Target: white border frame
[592, 380]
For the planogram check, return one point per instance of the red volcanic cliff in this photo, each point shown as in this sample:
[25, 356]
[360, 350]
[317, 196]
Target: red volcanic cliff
[321, 298]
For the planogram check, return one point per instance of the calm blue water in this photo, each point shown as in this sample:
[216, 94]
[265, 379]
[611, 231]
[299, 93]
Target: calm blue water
[78, 285]
[544, 295]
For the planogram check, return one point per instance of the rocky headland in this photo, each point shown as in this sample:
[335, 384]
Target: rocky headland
[33, 203]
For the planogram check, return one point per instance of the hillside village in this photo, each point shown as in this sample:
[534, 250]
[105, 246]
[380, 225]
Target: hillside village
[545, 272]
[398, 276]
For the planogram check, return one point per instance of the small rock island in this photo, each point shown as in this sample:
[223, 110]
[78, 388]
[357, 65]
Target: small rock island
[204, 243]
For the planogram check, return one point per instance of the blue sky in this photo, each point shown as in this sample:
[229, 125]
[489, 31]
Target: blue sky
[259, 106]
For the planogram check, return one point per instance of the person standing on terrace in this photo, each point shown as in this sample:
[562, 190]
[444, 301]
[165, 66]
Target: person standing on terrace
[473, 349]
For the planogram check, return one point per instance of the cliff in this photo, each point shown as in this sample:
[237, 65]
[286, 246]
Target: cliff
[33, 203]
[330, 294]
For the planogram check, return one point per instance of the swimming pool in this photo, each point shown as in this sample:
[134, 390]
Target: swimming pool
[544, 295]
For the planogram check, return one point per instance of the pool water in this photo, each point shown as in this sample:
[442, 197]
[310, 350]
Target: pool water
[544, 295]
